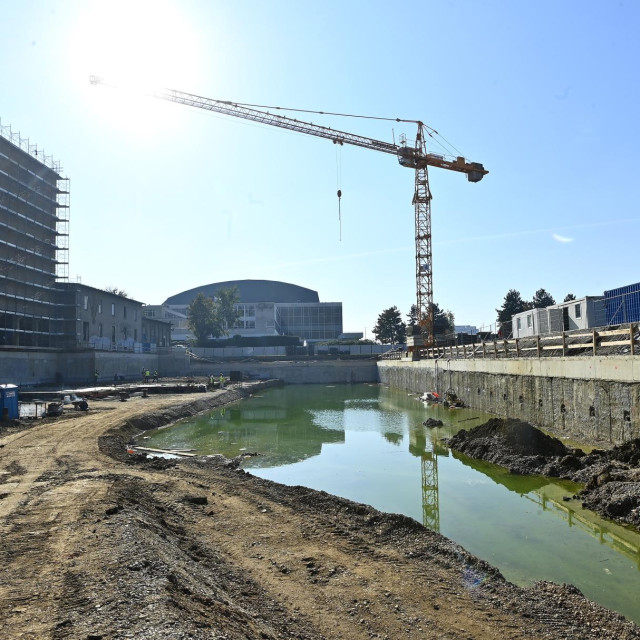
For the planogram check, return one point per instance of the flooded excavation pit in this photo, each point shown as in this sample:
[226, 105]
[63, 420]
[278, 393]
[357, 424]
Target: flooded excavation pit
[369, 444]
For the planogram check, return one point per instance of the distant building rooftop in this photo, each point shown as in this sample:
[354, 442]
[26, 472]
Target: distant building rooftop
[250, 291]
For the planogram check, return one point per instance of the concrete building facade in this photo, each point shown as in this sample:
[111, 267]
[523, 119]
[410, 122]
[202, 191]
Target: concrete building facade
[98, 319]
[266, 308]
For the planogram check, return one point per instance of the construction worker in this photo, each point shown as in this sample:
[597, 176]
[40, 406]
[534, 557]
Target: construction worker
[147, 375]
[221, 379]
[155, 375]
[96, 375]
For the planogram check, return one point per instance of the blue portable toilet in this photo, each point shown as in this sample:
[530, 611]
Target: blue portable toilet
[9, 402]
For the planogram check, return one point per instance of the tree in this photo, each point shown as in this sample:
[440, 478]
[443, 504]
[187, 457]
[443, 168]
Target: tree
[443, 321]
[542, 299]
[202, 318]
[513, 303]
[116, 291]
[569, 297]
[389, 329]
[412, 316]
[209, 318]
[226, 301]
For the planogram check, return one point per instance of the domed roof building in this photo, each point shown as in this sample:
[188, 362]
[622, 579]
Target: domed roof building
[250, 291]
[267, 308]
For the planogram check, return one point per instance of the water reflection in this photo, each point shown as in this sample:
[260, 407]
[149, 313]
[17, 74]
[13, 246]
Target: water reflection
[551, 496]
[369, 444]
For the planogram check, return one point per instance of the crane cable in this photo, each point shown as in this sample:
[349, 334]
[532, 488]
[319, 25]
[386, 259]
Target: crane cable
[431, 132]
[323, 113]
[339, 184]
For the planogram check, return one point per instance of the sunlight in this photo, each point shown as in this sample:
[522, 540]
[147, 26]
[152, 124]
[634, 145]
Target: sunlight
[136, 46]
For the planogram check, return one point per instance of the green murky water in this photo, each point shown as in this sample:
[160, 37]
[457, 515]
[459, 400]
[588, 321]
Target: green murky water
[368, 444]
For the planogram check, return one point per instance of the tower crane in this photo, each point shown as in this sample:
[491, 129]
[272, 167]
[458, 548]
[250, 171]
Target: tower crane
[413, 156]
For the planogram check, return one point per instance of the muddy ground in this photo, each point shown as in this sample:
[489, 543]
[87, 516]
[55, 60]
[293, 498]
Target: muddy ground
[99, 544]
[611, 477]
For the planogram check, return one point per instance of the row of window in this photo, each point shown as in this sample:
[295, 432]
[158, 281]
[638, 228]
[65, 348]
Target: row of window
[85, 332]
[85, 306]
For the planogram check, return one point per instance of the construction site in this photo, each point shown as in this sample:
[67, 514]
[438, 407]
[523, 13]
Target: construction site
[102, 541]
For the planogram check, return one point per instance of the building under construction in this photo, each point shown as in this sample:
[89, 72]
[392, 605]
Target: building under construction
[34, 244]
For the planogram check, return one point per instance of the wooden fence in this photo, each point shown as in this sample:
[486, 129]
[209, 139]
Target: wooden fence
[620, 340]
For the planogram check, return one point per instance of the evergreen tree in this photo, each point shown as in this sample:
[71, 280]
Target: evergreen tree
[412, 316]
[569, 297]
[542, 299]
[390, 329]
[443, 321]
[513, 303]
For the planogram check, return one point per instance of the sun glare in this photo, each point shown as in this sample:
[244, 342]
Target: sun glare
[136, 46]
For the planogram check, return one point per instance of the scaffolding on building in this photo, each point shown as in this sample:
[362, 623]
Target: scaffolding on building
[34, 243]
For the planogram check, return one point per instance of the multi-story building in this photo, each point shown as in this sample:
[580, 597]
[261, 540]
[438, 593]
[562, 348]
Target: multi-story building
[34, 230]
[266, 307]
[39, 308]
[107, 321]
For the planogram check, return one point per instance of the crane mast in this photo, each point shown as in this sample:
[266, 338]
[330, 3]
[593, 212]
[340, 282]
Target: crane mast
[415, 157]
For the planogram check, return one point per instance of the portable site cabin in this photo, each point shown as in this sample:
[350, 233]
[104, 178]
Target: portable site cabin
[9, 402]
[583, 313]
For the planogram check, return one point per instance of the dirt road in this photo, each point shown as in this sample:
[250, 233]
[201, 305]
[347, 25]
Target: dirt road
[96, 543]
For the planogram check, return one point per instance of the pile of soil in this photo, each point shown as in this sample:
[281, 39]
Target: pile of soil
[99, 544]
[611, 477]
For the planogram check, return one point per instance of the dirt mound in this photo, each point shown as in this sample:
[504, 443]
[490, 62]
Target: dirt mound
[510, 436]
[611, 478]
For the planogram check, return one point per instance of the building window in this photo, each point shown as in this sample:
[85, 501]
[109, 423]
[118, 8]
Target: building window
[135, 335]
[85, 303]
[100, 330]
[135, 314]
[578, 311]
[85, 331]
[518, 323]
[529, 321]
[99, 307]
[113, 333]
[113, 309]
[124, 311]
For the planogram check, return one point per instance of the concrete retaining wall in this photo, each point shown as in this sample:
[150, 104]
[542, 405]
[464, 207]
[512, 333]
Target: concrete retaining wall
[32, 368]
[584, 399]
[297, 372]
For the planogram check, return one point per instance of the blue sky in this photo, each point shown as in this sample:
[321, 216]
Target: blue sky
[166, 198]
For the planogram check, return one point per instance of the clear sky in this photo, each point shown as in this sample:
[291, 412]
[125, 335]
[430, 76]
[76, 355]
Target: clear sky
[166, 198]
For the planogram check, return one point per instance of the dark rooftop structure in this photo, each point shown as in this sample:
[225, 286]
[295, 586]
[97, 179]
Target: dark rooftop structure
[250, 291]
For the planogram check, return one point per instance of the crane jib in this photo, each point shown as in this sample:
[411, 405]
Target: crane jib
[415, 157]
